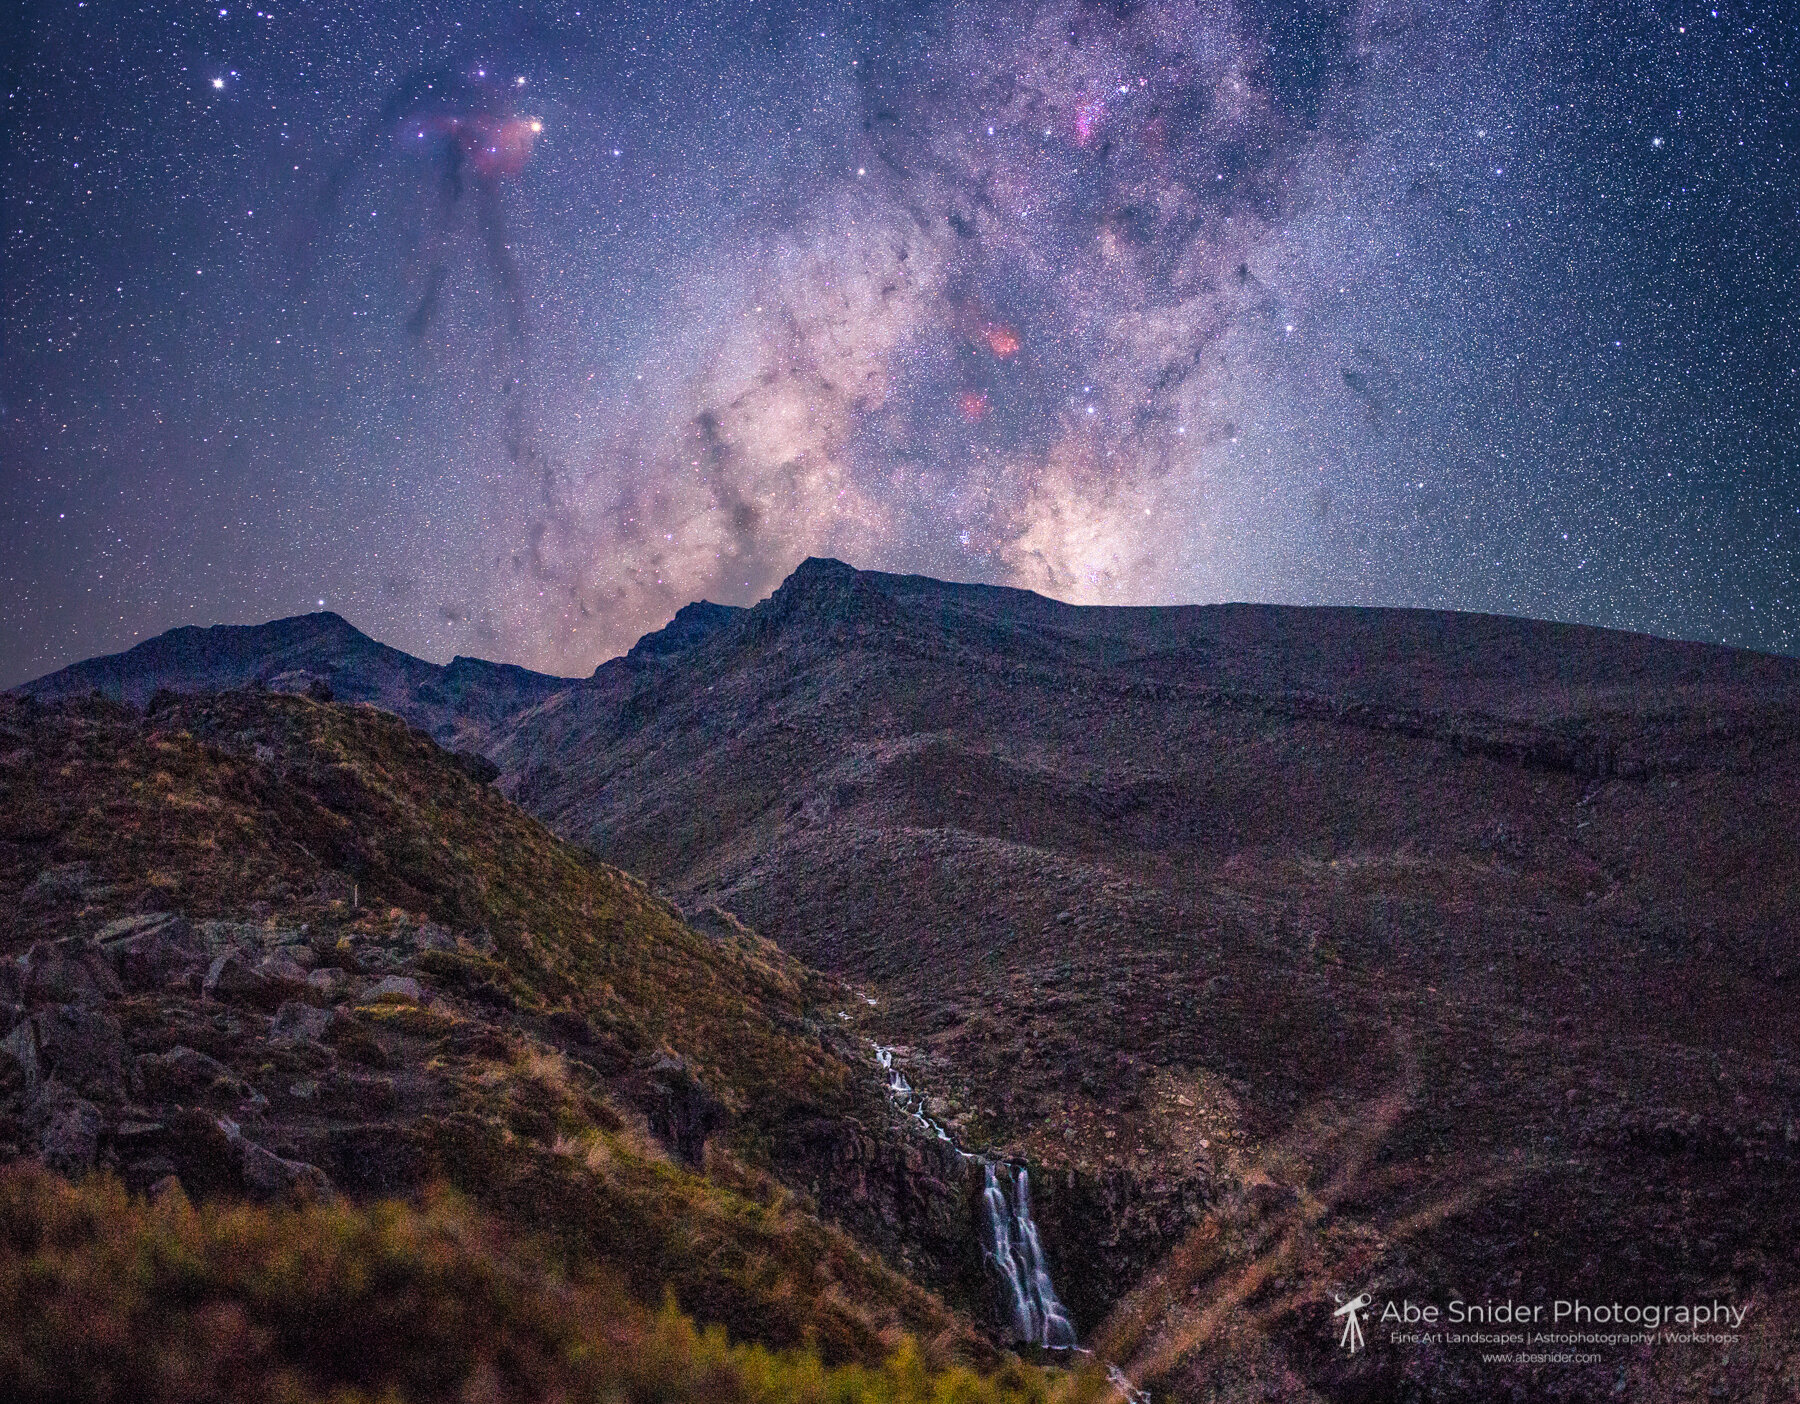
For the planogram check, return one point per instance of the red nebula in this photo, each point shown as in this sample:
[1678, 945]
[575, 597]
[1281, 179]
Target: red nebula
[974, 405]
[1002, 340]
[979, 327]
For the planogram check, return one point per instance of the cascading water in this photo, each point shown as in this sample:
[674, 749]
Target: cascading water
[1018, 1254]
[911, 1103]
[1013, 1245]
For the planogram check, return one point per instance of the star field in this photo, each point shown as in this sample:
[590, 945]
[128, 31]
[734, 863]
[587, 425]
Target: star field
[510, 335]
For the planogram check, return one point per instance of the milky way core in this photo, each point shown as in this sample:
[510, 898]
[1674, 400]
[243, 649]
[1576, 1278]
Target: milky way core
[511, 337]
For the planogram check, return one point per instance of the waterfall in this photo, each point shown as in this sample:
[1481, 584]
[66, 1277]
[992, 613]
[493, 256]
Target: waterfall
[1017, 1254]
[1013, 1245]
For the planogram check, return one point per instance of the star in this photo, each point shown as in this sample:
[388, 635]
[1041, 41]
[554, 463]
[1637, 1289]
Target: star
[865, 307]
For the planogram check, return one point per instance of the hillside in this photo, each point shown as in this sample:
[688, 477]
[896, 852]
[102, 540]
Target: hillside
[106, 1295]
[260, 946]
[1301, 952]
[1182, 903]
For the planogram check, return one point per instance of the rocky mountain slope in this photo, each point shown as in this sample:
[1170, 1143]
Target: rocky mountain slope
[1301, 952]
[254, 945]
[1353, 937]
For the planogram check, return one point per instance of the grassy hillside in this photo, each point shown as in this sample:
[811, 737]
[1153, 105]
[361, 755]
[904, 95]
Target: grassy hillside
[284, 809]
[106, 1297]
[288, 950]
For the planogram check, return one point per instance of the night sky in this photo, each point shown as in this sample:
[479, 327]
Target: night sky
[507, 331]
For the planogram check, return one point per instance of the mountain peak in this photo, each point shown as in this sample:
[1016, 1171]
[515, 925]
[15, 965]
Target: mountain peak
[824, 593]
[819, 578]
[324, 621]
[692, 623]
[457, 704]
[194, 657]
[824, 568]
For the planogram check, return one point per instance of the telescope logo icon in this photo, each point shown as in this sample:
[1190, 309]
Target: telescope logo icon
[1352, 1310]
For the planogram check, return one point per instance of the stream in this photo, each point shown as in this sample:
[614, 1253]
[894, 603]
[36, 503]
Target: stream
[1013, 1247]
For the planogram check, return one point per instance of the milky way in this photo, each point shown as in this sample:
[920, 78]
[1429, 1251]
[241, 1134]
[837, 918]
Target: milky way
[509, 338]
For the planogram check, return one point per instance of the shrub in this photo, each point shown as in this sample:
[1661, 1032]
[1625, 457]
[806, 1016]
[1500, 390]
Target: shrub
[107, 1297]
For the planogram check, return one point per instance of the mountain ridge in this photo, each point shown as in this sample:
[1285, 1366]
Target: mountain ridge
[1147, 894]
[1420, 659]
[1363, 931]
[459, 703]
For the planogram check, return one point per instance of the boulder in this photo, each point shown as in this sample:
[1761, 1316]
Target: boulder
[185, 1073]
[375, 959]
[300, 954]
[232, 978]
[63, 882]
[207, 1160]
[333, 983]
[295, 1020]
[144, 1175]
[395, 989]
[281, 965]
[122, 928]
[70, 1140]
[432, 937]
[269, 1175]
[152, 951]
[130, 1140]
[73, 970]
[82, 1048]
[221, 936]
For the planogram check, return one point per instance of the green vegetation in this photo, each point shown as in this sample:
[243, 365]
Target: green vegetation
[108, 1297]
[580, 1065]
